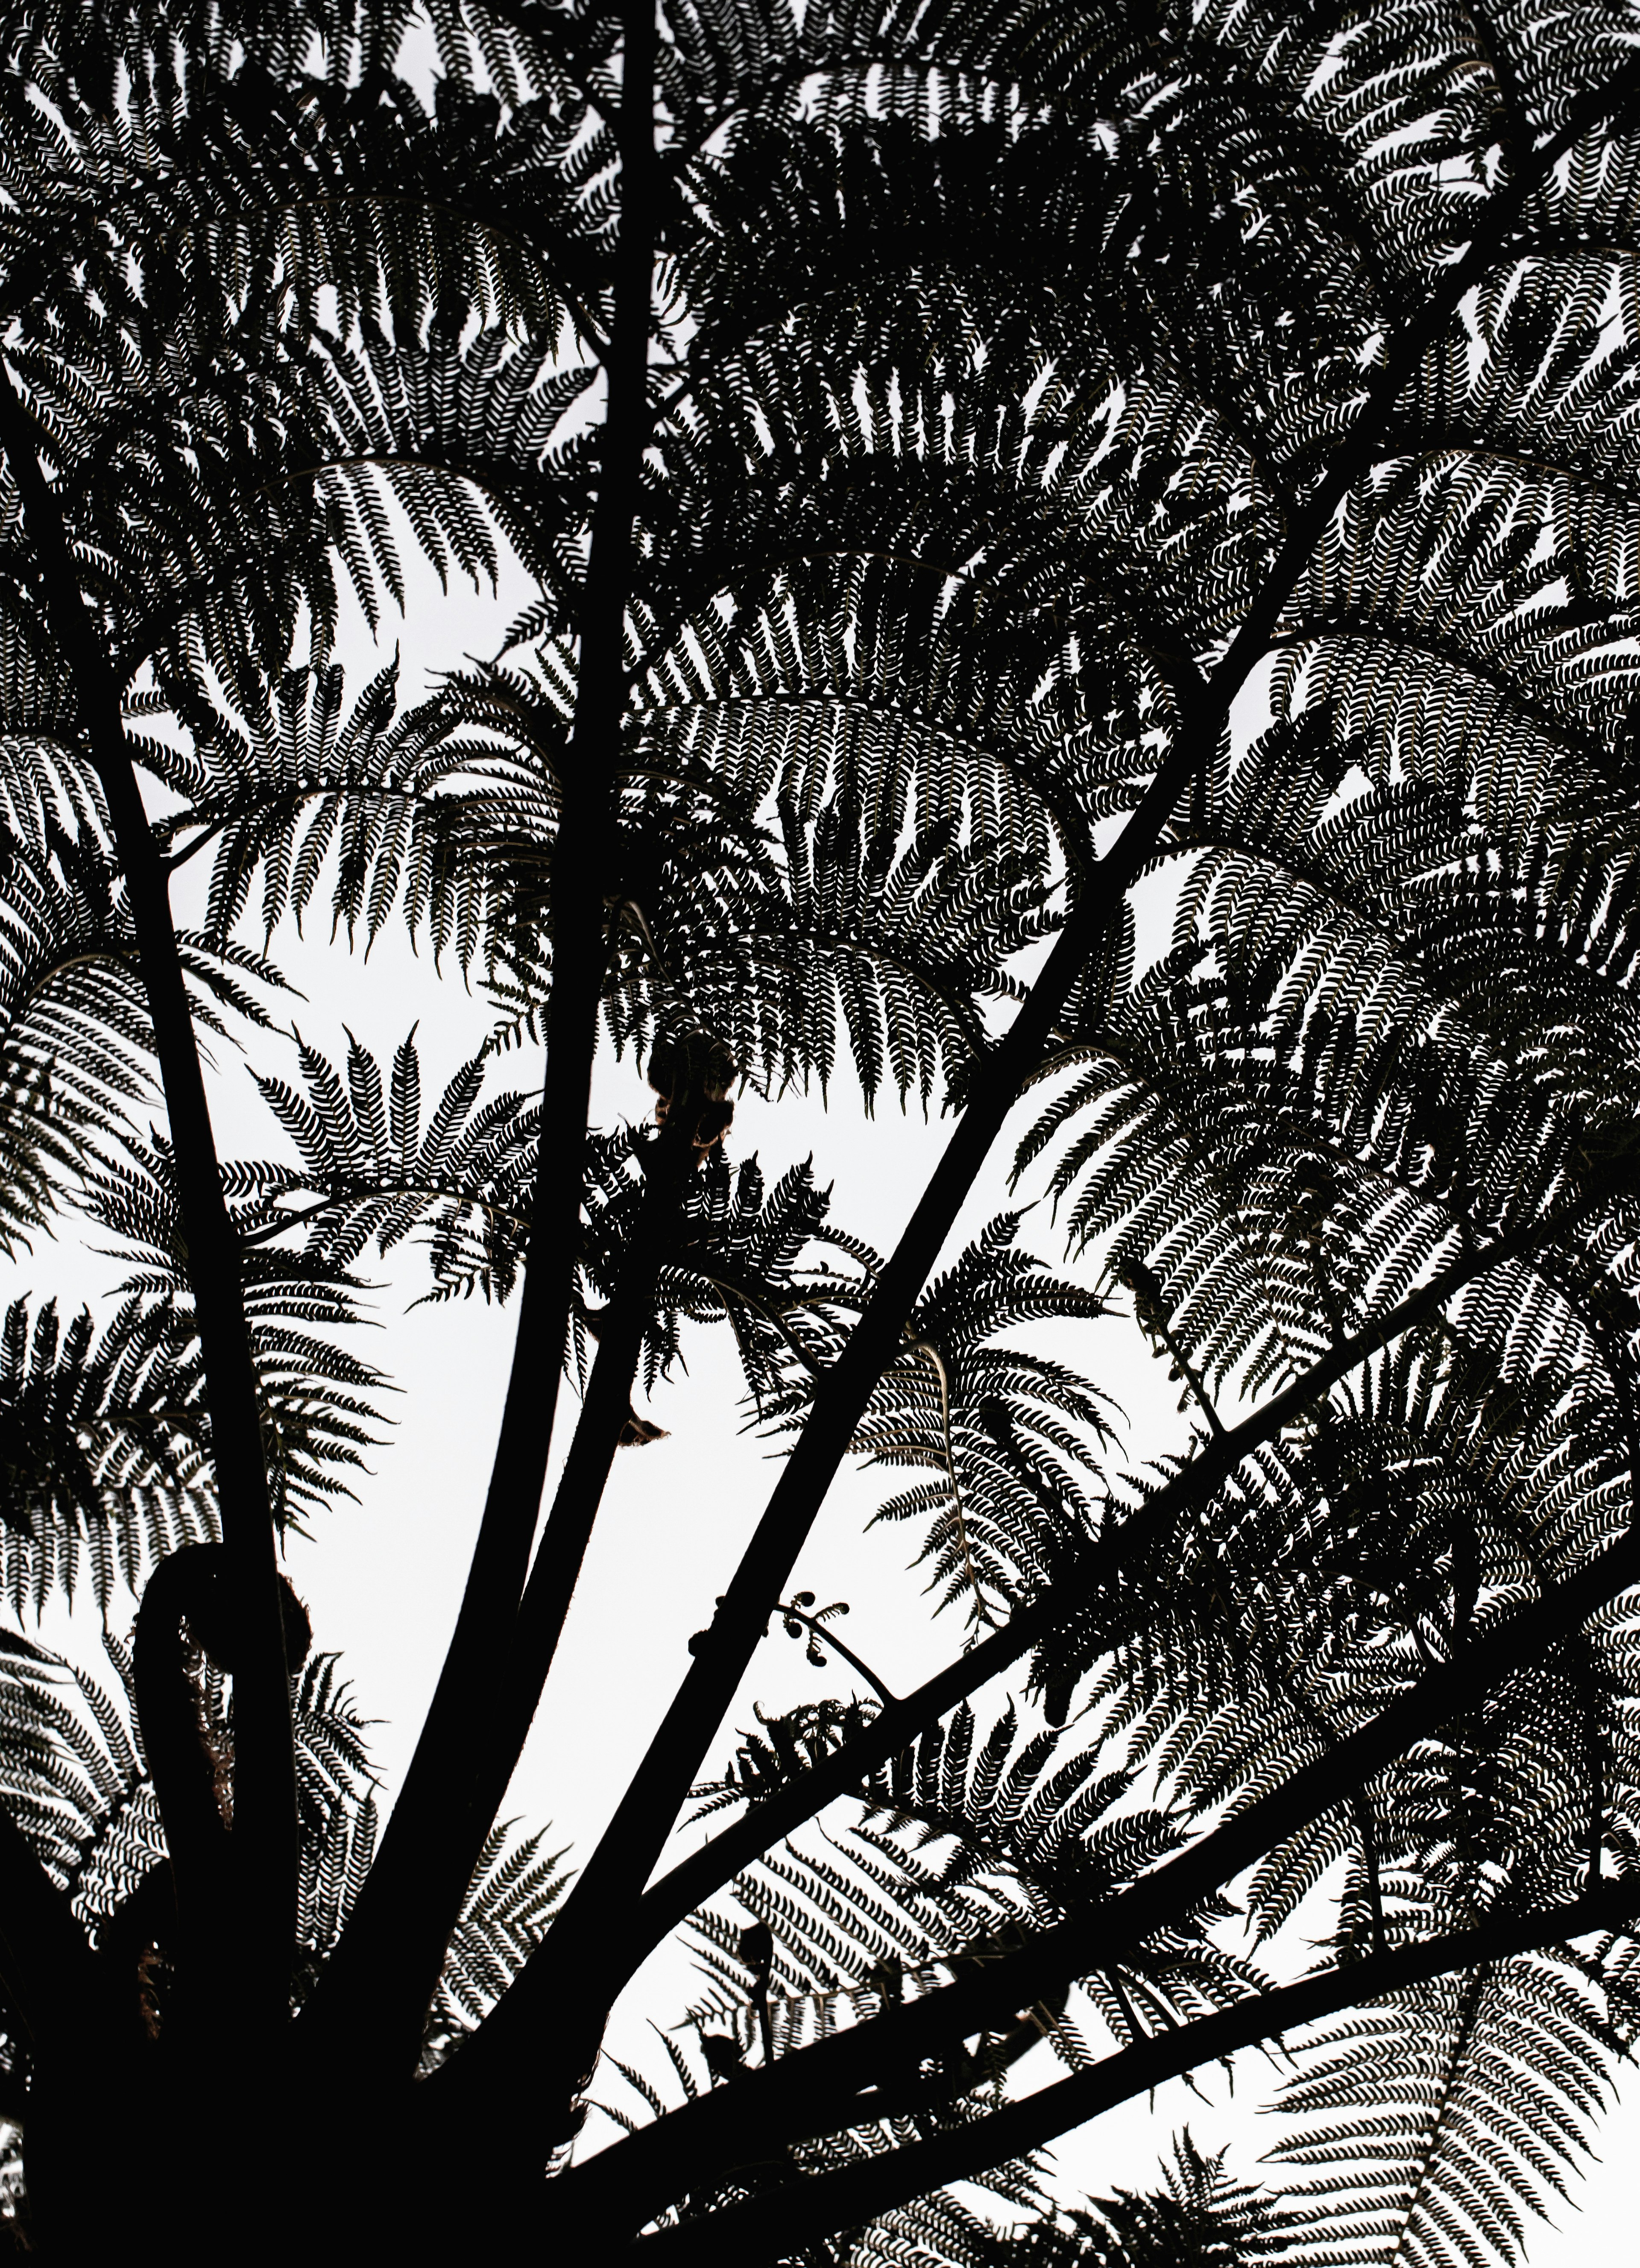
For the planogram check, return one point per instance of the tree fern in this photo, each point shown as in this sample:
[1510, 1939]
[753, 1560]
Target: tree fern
[1080, 548]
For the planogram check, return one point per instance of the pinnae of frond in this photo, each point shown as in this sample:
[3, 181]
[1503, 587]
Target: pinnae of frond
[982, 1612]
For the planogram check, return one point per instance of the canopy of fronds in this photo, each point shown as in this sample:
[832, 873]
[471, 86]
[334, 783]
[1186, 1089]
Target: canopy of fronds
[1027, 381]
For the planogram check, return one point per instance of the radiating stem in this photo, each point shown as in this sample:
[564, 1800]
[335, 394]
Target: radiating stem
[827, 2087]
[265, 1819]
[376, 1987]
[484, 2065]
[802, 2213]
[641, 1823]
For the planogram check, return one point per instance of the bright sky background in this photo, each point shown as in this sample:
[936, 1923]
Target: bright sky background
[383, 1577]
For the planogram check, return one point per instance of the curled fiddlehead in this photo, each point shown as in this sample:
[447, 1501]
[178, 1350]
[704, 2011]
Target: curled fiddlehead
[188, 1611]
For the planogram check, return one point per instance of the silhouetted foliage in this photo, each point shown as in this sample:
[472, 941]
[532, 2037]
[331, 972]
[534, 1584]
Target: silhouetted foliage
[1080, 558]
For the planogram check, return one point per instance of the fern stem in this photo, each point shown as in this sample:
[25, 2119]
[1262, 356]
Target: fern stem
[818, 1630]
[1492, 48]
[265, 1815]
[643, 1820]
[671, 1158]
[827, 2087]
[695, 1879]
[1474, 1995]
[801, 2213]
[506, 2061]
[1155, 1321]
[1285, 1678]
[378, 1986]
[486, 2063]
[1366, 1827]
[546, 1602]
[1597, 1794]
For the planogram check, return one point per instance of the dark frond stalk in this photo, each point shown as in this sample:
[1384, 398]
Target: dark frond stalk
[1514, 126]
[1283, 1679]
[376, 1987]
[1475, 1982]
[669, 1160]
[622, 1862]
[1119, 1993]
[802, 2213]
[820, 1635]
[545, 1608]
[668, 1163]
[829, 2086]
[696, 1878]
[1150, 1310]
[1597, 1792]
[183, 1771]
[265, 1816]
[485, 2064]
[1366, 1827]
[1197, 1385]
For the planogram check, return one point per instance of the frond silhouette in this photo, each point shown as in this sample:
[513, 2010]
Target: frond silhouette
[1067, 569]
